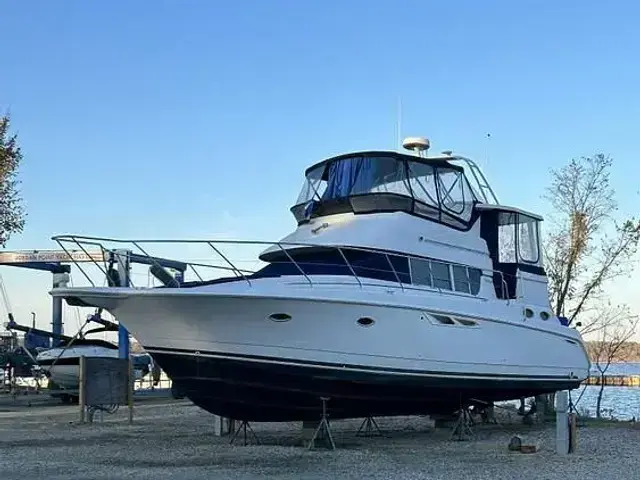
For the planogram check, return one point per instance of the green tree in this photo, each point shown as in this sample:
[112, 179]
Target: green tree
[12, 214]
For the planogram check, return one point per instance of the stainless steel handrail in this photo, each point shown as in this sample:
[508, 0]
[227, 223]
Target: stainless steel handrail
[99, 242]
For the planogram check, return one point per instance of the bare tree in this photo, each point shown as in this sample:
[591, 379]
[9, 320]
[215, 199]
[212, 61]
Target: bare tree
[618, 327]
[585, 246]
[11, 210]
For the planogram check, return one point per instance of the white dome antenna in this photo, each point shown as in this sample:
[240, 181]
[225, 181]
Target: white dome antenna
[416, 144]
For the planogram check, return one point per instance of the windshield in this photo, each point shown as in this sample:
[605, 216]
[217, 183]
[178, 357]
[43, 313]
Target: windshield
[355, 176]
[435, 189]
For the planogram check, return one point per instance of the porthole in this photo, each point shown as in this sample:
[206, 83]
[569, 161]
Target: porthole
[365, 321]
[544, 315]
[280, 317]
[528, 312]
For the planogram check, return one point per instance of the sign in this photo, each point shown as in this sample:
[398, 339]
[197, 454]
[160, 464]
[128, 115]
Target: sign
[106, 381]
[49, 256]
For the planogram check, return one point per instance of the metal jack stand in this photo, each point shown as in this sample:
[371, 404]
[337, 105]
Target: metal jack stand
[323, 429]
[243, 426]
[369, 428]
[462, 426]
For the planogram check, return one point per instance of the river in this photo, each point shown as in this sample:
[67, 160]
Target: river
[622, 403]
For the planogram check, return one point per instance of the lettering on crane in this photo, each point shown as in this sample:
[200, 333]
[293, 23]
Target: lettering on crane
[54, 256]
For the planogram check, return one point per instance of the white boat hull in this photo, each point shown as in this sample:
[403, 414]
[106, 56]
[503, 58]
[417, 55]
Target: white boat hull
[220, 346]
[62, 366]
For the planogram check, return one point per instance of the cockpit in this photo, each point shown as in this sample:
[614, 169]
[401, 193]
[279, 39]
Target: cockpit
[372, 182]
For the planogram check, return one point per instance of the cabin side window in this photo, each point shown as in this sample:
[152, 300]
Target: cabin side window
[441, 275]
[528, 250]
[445, 276]
[421, 272]
[518, 240]
[507, 237]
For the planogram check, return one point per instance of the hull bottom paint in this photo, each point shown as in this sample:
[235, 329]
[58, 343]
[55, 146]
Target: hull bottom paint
[269, 390]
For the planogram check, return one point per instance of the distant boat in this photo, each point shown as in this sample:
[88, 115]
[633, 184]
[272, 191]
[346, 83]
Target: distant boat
[61, 364]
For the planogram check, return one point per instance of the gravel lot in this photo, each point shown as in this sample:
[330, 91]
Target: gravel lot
[171, 439]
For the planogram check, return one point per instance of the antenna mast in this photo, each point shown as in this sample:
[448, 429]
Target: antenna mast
[399, 124]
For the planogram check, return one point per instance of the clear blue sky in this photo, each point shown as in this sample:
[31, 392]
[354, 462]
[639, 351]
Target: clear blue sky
[197, 118]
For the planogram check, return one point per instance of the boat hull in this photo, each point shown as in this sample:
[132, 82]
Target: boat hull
[270, 390]
[225, 352]
[62, 365]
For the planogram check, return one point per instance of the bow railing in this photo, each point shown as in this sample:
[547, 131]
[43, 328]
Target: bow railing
[196, 262]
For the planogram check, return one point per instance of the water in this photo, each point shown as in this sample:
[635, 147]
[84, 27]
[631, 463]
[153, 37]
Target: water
[622, 403]
[626, 368]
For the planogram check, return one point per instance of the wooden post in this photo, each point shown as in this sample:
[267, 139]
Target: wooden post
[82, 386]
[573, 432]
[130, 386]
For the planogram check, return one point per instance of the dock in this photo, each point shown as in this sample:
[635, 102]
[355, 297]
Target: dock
[614, 380]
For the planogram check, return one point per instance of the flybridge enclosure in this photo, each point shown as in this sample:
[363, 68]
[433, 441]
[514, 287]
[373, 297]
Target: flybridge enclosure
[382, 181]
[505, 208]
[513, 241]
[513, 237]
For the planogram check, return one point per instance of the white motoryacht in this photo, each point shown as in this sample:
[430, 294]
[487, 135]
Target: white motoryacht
[405, 288]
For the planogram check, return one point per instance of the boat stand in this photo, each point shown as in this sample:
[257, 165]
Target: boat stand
[369, 428]
[462, 427]
[323, 431]
[243, 426]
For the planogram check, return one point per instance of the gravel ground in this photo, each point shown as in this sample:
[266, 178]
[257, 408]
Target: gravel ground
[171, 439]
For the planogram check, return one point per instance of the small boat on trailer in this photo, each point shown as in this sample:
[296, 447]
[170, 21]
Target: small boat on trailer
[61, 364]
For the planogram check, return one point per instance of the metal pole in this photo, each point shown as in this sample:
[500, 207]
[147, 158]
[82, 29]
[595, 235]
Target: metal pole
[123, 266]
[82, 394]
[130, 387]
[60, 280]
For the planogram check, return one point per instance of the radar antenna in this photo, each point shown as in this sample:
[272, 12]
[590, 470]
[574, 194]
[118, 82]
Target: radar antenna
[417, 144]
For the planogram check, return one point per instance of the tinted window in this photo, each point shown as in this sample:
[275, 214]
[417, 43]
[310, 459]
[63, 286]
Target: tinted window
[313, 187]
[461, 279]
[363, 175]
[441, 276]
[420, 272]
[475, 274]
[422, 180]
